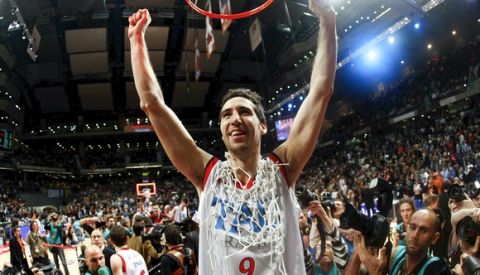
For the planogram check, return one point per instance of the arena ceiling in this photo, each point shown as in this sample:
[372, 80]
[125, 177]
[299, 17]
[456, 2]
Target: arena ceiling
[82, 71]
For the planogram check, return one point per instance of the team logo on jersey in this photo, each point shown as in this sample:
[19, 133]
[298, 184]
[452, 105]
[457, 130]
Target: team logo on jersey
[238, 218]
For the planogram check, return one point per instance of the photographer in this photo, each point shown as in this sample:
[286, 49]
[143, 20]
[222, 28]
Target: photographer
[470, 258]
[461, 206]
[55, 237]
[465, 236]
[335, 257]
[176, 260]
[407, 208]
[413, 258]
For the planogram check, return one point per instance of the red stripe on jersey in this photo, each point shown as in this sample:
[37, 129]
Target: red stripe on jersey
[208, 169]
[279, 162]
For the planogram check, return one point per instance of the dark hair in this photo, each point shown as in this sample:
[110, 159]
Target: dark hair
[118, 235]
[476, 193]
[138, 228]
[409, 201]
[173, 235]
[31, 225]
[15, 228]
[255, 98]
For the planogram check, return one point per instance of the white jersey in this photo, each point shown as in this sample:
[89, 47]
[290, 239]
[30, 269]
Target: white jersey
[249, 228]
[180, 215]
[132, 262]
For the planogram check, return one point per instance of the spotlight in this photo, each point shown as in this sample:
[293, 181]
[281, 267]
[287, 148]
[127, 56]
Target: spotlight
[391, 40]
[402, 62]
[372, 55]
[454, 32]
[417, 26]
[429, 46]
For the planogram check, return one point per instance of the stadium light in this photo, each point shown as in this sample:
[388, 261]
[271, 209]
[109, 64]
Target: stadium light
[391, 39]
[372, 55]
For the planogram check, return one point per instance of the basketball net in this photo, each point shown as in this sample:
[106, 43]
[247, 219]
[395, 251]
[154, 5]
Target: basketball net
[264, 227]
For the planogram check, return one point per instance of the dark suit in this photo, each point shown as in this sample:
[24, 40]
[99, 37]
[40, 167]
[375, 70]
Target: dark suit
[17, 258]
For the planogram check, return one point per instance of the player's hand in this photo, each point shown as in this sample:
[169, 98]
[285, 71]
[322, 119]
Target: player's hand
[322, 8]
[138, 22]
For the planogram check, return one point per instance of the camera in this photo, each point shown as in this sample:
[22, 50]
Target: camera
[155, 236]
[471, 265]
[326, 204]
[455, 192]
[380, 185]
[467, 230]
[305, 196]
[374, 229]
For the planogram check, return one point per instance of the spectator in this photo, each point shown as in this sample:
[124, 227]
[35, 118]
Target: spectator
[55, 229]
[18, 257]
[38, 248]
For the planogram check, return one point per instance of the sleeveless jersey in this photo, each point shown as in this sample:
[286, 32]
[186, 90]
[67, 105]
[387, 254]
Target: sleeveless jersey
[252, 229]
[132, 262]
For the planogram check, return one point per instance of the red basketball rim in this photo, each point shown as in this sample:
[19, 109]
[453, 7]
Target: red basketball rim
[232, 16]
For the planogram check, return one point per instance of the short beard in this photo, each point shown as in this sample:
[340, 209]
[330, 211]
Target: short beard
[417, 253]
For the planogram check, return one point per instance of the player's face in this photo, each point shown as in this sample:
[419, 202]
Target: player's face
[240, 126]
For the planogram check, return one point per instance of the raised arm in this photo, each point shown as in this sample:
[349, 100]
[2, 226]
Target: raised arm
[309, 119]
[176, 141]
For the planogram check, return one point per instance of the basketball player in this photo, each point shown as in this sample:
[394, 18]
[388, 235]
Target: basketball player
[248, 214]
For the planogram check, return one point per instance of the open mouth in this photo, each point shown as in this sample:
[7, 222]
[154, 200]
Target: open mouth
[237, 133]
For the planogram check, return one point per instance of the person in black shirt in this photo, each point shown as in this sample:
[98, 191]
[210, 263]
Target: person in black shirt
[172, 261]
[17, 248]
